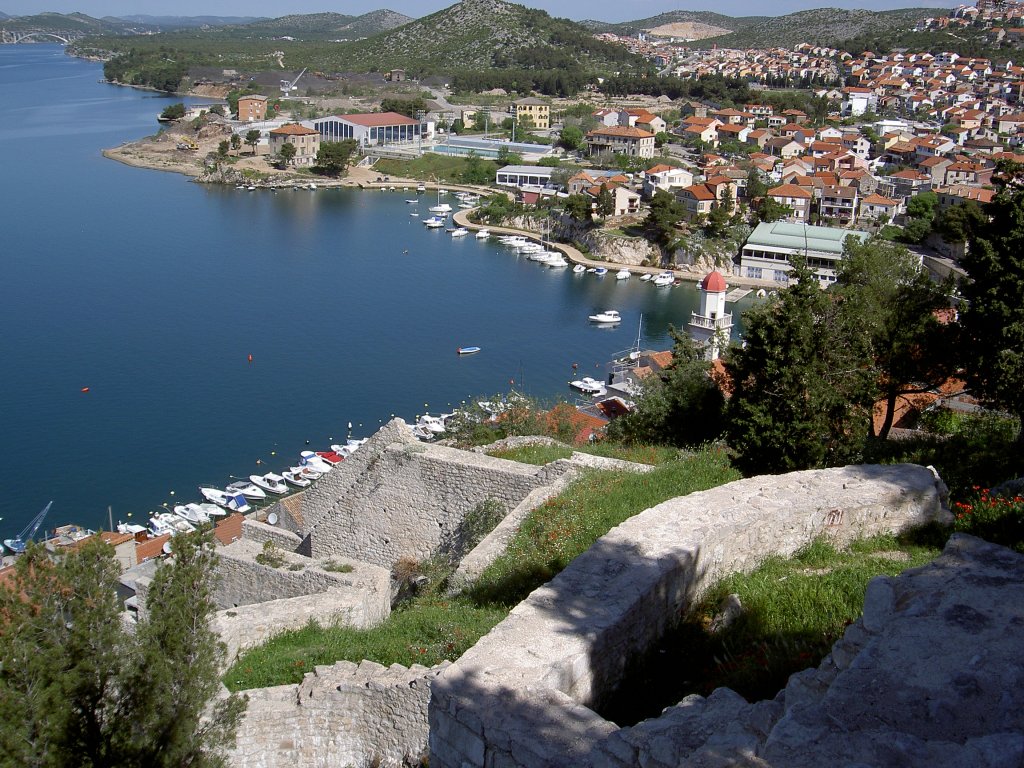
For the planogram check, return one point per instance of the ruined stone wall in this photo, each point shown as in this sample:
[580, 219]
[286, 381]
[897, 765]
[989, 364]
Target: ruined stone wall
[522, 695]
[397, 497]
[342, 715]
[260, 601]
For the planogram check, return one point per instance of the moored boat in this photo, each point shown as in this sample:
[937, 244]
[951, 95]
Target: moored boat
[589, 386]
[270, 482]
[483, 234]
[623, 274]
[294, 476]
[247, 489]
[192, 513]
[310, 459]
[235, 502]
[607, 317]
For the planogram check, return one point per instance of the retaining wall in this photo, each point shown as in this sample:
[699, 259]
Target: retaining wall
[522, 696]
[397, 497]
[342, 715]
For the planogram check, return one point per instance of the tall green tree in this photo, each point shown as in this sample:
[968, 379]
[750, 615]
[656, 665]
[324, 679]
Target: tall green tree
[236, 142]
[333, 156]
[801, 382]
[605, 202]
[286, 154]
[579, 207]
[660, 225]
[252, 138]
[77, 688]
[680, 406]
[993, 321]
[888, 294]
[571, 137]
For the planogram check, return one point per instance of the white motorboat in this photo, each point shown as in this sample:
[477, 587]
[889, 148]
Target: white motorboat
[513, 241]
[350, 447]
[294, 476]
[413, 201]
[623, 274]
[421, 188]
[435, 222]
[434, 424]
[529, 248]
[235, 502]
[270, 482]
[664, 278]
[608, 316]
[310, 459]
[600, 271]
[579, 269]
[483, 234]
[193, 513]
[247, 489]
[646, 276]
[442, 208]
[306, 473]
[167, 522]
[460, 232]
[556, 260]
[589, 386]
[211, 510]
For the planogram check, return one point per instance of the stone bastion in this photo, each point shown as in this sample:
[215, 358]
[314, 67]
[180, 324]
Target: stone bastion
[523, 695]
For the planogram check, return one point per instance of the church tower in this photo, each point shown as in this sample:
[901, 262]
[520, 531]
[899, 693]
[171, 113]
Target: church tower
[711, 326]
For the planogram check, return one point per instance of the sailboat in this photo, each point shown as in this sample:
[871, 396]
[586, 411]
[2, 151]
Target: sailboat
[440, 207]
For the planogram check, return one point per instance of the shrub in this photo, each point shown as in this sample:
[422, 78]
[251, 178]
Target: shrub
[991, 516]
[270, 556]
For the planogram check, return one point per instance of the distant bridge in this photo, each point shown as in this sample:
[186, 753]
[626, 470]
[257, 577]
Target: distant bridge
[14, 37]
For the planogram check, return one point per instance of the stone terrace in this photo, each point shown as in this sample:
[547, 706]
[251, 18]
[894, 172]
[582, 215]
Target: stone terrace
[521, 696]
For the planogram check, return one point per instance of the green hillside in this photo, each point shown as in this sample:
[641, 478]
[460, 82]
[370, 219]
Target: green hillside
[821, 26]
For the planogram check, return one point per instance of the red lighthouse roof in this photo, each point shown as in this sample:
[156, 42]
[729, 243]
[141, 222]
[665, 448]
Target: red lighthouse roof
[714, 282]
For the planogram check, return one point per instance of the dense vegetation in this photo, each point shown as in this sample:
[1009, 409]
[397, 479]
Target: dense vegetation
[78, 687]
[162, 69]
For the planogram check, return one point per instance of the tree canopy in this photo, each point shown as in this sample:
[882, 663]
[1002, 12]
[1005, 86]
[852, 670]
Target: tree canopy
[333, 156]
[801, 382]
[78, 688]
[994, 318]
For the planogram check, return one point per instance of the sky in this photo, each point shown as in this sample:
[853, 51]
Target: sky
[599, 10]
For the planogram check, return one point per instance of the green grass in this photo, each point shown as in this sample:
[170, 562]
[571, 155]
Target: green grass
[430, 627]
[544, 454]
[793, 612]
[565, 526]
[428, 167]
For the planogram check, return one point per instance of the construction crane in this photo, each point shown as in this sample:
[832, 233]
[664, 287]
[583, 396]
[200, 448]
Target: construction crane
[287, 88]
[17, 545]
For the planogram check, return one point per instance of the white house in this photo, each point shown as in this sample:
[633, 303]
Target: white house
[766, 254]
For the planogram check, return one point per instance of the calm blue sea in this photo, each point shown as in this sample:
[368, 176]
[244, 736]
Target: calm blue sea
[152, 291]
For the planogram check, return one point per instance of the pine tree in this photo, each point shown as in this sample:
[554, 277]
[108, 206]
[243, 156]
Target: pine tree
[78, 688]
[801, 382]
[994, 318]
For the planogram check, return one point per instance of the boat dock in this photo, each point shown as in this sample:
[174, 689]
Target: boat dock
[737, 293]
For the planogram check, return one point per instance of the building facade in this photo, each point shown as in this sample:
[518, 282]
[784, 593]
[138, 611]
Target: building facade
[536, 110]
[767, 252]
[252, 108]
[371, 129]
[305, 140]
[621, 140]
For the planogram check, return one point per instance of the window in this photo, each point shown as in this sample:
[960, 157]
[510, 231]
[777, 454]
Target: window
[754, 272]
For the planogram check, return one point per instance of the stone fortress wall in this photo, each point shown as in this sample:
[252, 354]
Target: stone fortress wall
[522, 696]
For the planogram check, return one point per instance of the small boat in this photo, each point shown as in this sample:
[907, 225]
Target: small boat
[234, 502]
[414, 214]
[247, 489]
[646, 276]
[294, 476]
[167, 522]
[664, 278]
[330, 457]
[305, 472]
[623, 274]
[557, 260]
[579, 269]
[211, 510]
[435, 222]
[483, 234]
[433, 423]
[421, 188]
[413, 201]
[467, 350]
[442, 208]
[589, 386]
[761, 293]
[312, 187]
[192, 513]
[600, 271]
[460, 232]
[270, 482]
[310, 459]
[608, 316]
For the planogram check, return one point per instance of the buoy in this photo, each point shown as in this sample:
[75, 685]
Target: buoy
[250, 357]
[85, 389]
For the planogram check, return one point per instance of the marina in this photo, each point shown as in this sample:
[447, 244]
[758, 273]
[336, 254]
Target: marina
[174, 334]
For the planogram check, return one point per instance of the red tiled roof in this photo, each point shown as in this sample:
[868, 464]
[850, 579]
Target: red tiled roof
[293, 129]
[622, 130]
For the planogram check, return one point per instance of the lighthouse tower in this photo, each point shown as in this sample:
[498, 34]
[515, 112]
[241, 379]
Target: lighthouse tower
[711, 325]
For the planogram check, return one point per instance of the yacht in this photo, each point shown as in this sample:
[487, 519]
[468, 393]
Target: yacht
[606, 317]
[623, 274]
[589, 386]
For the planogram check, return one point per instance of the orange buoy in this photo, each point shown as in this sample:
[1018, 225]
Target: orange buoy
[85, 389]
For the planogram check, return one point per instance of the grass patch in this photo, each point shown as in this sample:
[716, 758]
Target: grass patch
[334, 567]
[427, 167]
[565, 526]
[429, 627]
[793, 612]
[533, 454]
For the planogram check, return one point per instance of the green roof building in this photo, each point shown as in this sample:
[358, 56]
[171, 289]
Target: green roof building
[766, 254]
